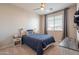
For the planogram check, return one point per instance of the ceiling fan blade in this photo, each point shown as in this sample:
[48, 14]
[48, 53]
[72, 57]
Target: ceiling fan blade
[37, 9]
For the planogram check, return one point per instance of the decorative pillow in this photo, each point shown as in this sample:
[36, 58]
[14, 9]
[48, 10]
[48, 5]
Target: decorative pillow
[29, 32]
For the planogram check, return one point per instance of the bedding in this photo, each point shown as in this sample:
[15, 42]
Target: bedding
[37, 41]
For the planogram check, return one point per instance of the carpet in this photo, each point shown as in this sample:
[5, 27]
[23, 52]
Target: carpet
[6, 53]
[70, 44]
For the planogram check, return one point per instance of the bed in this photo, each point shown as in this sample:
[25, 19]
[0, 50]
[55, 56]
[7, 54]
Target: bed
[37, 41]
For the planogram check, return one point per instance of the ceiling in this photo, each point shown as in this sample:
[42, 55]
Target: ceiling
[50, 7]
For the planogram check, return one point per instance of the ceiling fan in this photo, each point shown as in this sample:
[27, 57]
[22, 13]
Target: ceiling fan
[43, 8]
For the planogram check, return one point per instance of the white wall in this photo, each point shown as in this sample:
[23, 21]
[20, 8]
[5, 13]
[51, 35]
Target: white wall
[12, 18]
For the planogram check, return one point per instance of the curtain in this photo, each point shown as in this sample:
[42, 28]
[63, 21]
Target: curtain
[45, 26]
[65, 31]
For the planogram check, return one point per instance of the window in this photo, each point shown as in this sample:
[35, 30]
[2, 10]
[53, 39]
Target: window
[50, 23]
[55, 23]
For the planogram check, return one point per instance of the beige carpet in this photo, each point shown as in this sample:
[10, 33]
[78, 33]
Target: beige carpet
[70, 44]
[25, 50]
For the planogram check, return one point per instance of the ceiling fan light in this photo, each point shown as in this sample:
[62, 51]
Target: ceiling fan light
[42, 8]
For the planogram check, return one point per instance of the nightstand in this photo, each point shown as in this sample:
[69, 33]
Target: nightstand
[17, 41]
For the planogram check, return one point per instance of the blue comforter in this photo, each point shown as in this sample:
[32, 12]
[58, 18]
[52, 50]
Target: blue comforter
[37, 41]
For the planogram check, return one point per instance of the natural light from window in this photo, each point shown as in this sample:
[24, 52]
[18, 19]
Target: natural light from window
[55, 23]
